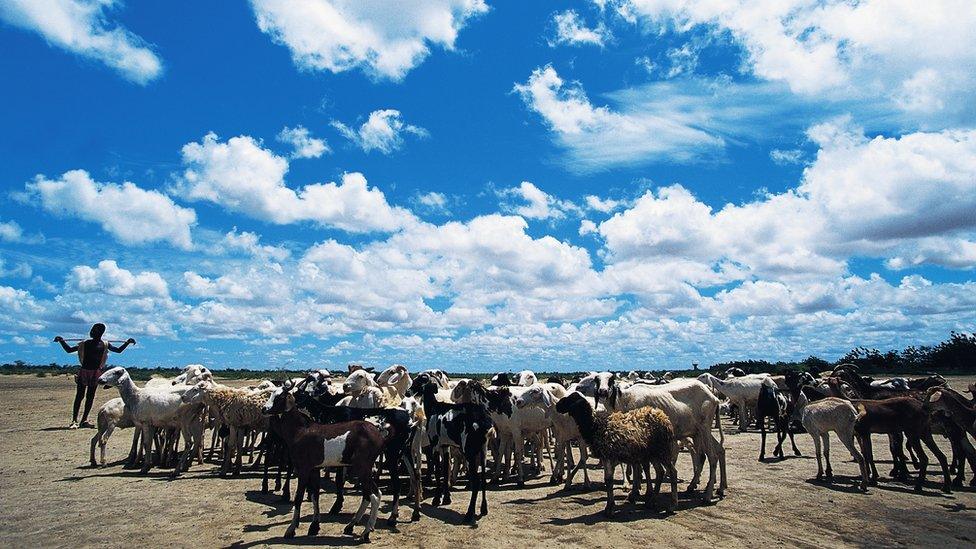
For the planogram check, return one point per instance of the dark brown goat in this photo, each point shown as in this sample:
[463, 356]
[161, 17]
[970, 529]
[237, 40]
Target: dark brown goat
[353, 445]
[899, 415]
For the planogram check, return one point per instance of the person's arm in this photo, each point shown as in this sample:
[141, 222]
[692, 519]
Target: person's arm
[64, 345]
[115, 349]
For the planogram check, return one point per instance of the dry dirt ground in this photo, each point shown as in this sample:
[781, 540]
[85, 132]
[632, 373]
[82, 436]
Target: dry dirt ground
[49, 496]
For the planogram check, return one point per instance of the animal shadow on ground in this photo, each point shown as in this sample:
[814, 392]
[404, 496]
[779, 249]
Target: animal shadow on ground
[276, 507]
[625, 511]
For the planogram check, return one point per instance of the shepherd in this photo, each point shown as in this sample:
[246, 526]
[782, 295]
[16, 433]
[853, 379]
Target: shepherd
[92, 354]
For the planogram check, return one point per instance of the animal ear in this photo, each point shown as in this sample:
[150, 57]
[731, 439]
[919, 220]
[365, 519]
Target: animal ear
[395, 378]
[936, 395]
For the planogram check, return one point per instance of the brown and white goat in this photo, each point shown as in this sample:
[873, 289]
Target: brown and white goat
[353, 445]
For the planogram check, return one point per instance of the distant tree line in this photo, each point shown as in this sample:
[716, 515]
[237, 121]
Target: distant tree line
[955, 355]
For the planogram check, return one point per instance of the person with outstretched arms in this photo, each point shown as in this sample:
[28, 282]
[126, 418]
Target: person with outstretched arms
[92, 354]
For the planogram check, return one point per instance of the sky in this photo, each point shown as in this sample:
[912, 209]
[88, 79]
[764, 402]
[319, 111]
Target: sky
[478, 185]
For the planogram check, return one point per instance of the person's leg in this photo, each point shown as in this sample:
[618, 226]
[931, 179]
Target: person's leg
[89, 399]
[79, 394]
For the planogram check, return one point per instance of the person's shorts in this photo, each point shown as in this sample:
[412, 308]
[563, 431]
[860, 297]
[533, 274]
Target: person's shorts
[88, 378]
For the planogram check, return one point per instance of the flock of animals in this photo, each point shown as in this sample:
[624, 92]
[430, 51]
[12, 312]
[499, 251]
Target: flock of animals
[393, 422]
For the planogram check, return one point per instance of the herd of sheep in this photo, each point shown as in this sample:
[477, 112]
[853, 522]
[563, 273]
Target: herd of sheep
[434, 429]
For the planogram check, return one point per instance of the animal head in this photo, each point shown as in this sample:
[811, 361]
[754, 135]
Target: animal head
[597, 385]
[419, 384]
[526, 378]
[113, 377]
[535, 396]
[357, 382]
[572, 401]
[196, 393]
[500, 400]
[501, 379]
[394, 375]
[439, 377]
[280, 400]
[193, 374]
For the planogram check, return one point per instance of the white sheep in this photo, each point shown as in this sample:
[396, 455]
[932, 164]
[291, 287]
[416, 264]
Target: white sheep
[564, 428]
[395, 376]
[238, 410]
[113, 414]
[526, 378]
[741, 391]
[693, 409]
[825, 415]
[152, 409]
[362, 391]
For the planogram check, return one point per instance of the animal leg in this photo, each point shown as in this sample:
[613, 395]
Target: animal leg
[930, 443]
[297, 510]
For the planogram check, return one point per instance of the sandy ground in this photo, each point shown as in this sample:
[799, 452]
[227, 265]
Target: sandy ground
[49, 496]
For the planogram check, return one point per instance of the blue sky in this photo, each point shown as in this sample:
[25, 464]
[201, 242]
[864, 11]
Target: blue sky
[486, 186]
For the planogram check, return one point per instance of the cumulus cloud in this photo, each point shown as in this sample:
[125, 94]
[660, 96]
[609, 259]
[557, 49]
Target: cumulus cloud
[302, 142]
[433, 202]
[131, 214]
[242, 176]
[84, 28]
[385, 42]
[908, 199]
[569, 28]
[536, 203]
[854, 49]
[383, 131]
[249, 243]
[111, 279]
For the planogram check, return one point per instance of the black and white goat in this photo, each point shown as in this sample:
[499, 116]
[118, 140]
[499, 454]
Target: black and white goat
[466, 427]
[397, 433]
[774, 404]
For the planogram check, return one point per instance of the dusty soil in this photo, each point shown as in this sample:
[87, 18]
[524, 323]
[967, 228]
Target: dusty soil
[49, 496]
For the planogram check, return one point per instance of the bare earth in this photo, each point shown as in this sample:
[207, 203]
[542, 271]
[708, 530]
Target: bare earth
[49, 496]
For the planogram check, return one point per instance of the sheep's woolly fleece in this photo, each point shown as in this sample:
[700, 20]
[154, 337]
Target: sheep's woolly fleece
[236, 407]
[634, 436]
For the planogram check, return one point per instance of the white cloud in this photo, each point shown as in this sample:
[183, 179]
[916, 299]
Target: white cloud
[386, 41]
[305, 146]
[786, 157]
[917, 54]
[909, 200]
[129, 213]
[433, 202]
[383, 131]
[538, 204]
[21, 270]
[605, 205]
[249, 243]
[664, 128]
[10, 231]
[244, 177]
[83, 27]
[109, 278]
[571, 29]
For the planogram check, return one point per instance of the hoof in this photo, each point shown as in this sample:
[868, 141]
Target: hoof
[469, 518]
[289, 534]
[946, 489]
[365, 538]
[391, 522]
[484, 510]
[313, 529]
[415, 516]
[348, 529]
[608, 512]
